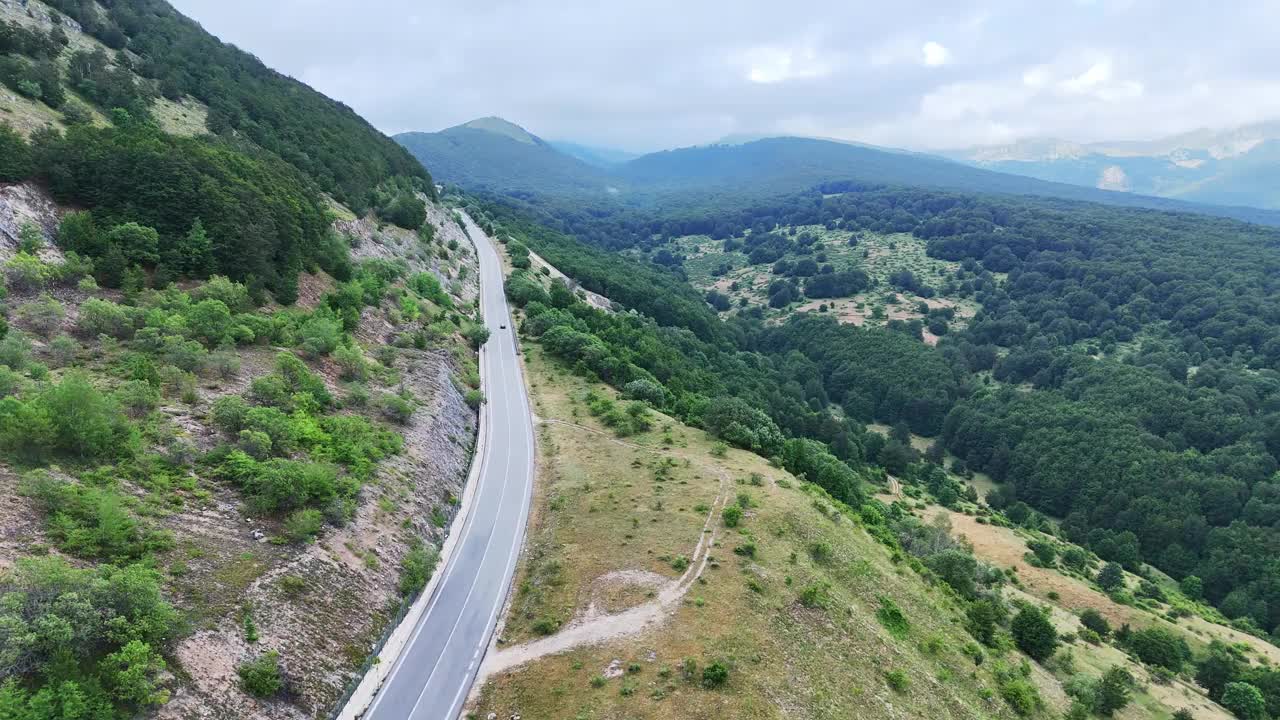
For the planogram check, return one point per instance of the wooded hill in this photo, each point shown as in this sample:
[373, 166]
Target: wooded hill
[254, 176]
[1148, 341]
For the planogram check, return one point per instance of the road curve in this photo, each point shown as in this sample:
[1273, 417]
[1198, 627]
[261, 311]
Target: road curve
[434, 673]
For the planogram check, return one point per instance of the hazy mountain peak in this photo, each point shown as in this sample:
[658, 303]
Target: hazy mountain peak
[1027, 149]
[499, 126]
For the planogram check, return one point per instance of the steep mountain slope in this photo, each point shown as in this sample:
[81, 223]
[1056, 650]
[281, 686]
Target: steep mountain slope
[145, 57]
[1233, 167]
[238, 365]
[479, 159]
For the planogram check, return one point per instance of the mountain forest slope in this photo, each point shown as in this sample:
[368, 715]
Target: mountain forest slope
[237, 369]
[724, 176]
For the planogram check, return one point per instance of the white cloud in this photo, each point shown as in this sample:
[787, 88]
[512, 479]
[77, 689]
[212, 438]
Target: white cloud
[1035, 77]
[768, 65]
[935, 54]
[667, 73]
[1097, 74]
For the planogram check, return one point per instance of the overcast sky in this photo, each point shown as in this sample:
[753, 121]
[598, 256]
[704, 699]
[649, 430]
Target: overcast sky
[667, 73]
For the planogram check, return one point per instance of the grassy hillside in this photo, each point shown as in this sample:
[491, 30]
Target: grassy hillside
[786, 602]
[638, 578]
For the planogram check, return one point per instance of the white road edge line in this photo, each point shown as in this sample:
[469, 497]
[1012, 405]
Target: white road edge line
[475, 580]
[371, 685]
[516, 546]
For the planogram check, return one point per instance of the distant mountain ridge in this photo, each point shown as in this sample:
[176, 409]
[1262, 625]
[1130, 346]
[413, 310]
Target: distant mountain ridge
[495, 155]
[1236, 166]
[598, 156]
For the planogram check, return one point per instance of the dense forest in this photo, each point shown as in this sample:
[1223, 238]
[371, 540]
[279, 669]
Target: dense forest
[1121, 376]
[326, 140]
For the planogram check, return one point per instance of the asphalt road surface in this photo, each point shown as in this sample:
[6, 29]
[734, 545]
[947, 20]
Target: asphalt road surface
[433, 675]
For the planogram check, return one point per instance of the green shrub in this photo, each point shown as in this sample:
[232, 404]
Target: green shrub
[351, 362]
[15, 350]
[261, 676]
[1093, 620]
[71, 418]
[983, 617]
[897, 680]
[92, 522]
[229, 413]
[97, 629]
[280, 485]
[292, 585]
[416, 568]
[10, 382]
[1112, 691]
[298, 379]
[476, 334]
[44, 316]
[1021, 695]
[892, 618]
[1111, 577]
[254, 443]
[1160, 647]
[137, 398]
[103, 317]
[395, 408]
[1044, 551]
[63, 350]
[816, 595]
[715, 675]
[232, 294]
[1245, 701]
[25, 272]
[731, 515]
[1034, 633]
[545, 626]
[302, 526]
[224, 362]
[821, 552]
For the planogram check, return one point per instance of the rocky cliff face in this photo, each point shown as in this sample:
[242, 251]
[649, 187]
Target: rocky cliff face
[25, 204]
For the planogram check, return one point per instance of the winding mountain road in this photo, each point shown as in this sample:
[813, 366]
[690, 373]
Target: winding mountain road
[434, 673]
